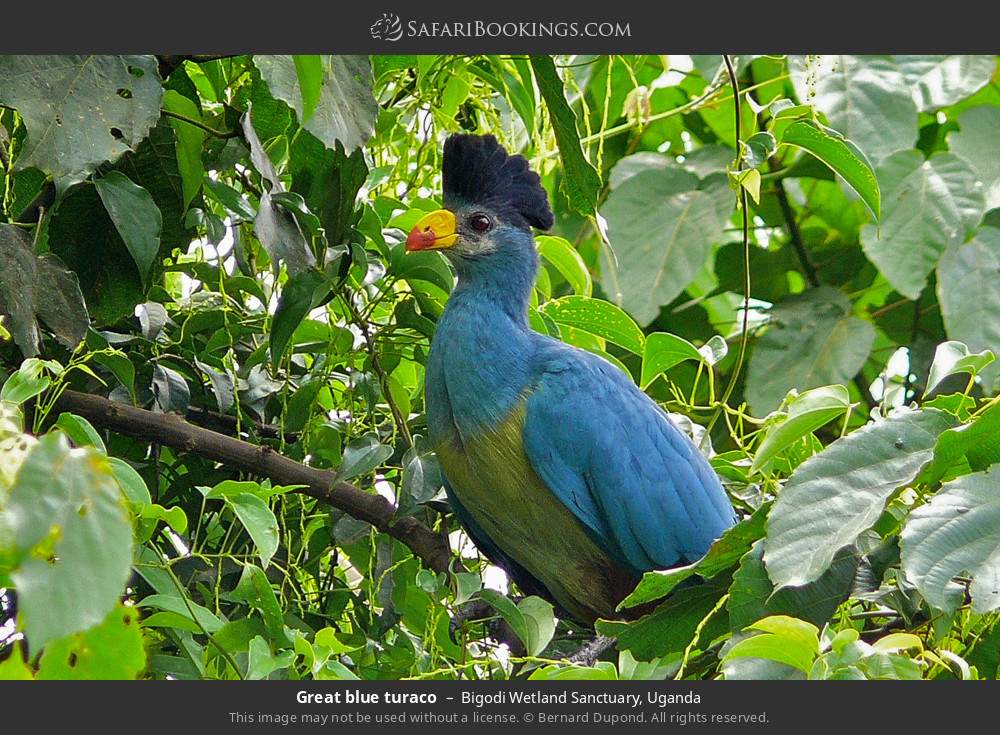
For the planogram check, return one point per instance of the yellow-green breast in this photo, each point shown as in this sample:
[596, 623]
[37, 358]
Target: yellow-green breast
[492, 477]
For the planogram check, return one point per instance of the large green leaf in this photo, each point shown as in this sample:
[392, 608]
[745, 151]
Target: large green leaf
[345, 111]
[299, 295]
[70, 539]
[968, 290]
[672, 625]
[362, 455]
[82, 234]
[752, 595]
[661, 227]
[975, 143]
[836, 495]
[275, 226]
[259, 521]
[865, 98]
[938, 81]
[581, 181]
[783, 639]
[329, 181]
[803, 414]
[929, 204]
[112, 649]
[155, 165]
[190, 139]
[662, 351]
[38, 287]
[812, 340]
[598, 317]
[957, 532]
[565, 259]
[971, 446]
[80, 111]
[135, 216]
[952, 358]
[839, 154]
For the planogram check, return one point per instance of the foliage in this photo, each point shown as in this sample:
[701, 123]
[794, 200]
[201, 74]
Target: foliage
[220, 241]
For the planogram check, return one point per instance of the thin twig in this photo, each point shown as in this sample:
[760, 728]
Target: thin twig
[745, 327]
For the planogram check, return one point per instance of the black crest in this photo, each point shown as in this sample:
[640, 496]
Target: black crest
[478, 170]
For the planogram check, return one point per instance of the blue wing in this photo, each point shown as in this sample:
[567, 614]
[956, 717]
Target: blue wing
[611, 455]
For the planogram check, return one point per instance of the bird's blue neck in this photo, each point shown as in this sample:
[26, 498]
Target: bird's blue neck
[480, 360]
[502, 279]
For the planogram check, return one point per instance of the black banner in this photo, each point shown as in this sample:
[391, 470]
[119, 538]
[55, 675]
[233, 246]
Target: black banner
[416, 706]
[393, 27]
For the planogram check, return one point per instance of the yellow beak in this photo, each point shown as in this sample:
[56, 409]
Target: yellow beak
[433, 231]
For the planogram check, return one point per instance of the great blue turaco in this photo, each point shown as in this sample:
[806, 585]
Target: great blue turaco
[561, 470]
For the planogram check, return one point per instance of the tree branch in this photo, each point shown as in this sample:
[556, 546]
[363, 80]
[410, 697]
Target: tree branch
[173, 431]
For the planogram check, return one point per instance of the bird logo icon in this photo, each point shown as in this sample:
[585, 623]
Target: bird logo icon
[387, 28]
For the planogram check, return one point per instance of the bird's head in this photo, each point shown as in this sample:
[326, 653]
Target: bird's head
[491, 202]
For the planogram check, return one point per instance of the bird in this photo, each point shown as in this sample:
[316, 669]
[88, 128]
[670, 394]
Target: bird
[562, 472]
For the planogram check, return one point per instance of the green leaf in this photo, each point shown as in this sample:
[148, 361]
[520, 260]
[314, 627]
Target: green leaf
[309, 71]
[261, 663]
[80, 111]
[759, 147]
[597, 317]
[783, 639]
[672, 625]
[301, 293]
[969, 293]
[600, 671]
[255, 589]
[362, 455]
[565, 259]
[259, 521]
[661, 227]
[581, 181]
[70, 539]
[170, 391]
[812, 340]
[929, 204]
[201, 616]
[975, 144]
[540, 624]
[840, 154]
[938, 81]
[531, 619]
[189, 142]
[661, 352]
[28, 382]
[952, 358]
[345, 110]
[156, 165]
[803, 414]
[33, 287]
[865, 98]
[80, 431]
[135, 216]
[277, 227]
[82, 234]
[836, 495]
[422, 475]
[752, 596]
[977, 444]
[957, 532]
[112, 649]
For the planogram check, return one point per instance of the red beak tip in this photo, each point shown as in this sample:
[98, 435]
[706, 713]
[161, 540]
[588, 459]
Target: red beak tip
[420, 239]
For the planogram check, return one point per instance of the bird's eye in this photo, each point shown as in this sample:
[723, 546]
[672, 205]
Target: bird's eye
[480, 222]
